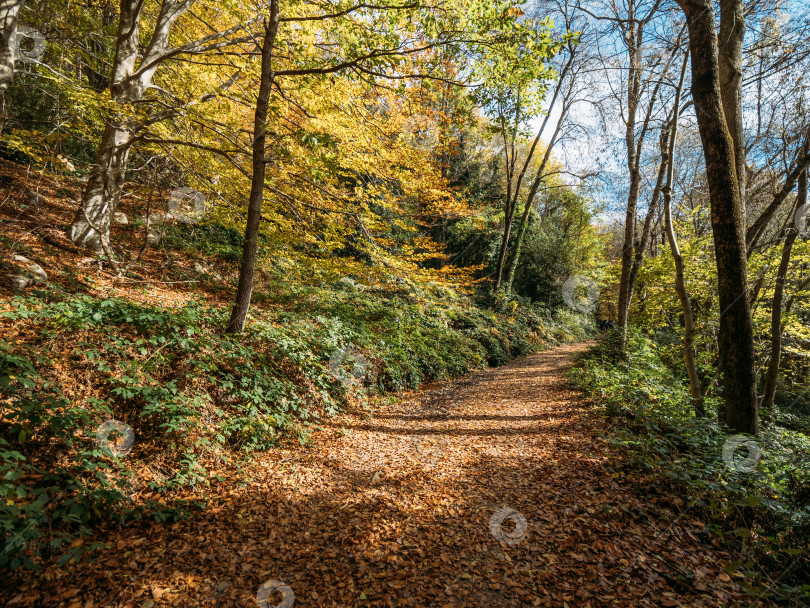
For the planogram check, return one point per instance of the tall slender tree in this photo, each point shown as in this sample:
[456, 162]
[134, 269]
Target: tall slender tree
[566, 93]
[777, 324]
[244, 290]
[373, 54]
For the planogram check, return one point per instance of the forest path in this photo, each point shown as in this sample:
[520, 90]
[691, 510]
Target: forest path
[396, 509]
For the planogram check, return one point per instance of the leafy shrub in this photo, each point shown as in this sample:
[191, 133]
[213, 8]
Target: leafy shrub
[207, 238]
[185, 390]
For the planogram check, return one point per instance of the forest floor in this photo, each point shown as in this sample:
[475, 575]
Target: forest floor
[400, 507]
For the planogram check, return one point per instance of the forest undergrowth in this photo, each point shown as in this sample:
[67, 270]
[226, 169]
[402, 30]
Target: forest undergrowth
[752, 494]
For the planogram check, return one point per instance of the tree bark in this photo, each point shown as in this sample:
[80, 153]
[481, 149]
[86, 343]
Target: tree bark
[668, 157]
[641, 244]
[735, 340]
[771, 376]
[633, 252]
[732, 33]
[634, 38]
[91, 225]
[244, 291]
[509, 210]
[9, 10]
[515, 257]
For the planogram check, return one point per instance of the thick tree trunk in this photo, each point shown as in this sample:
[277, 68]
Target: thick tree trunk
[129, 79]
[736, 344]
[771, 376]
[732, 33]
[244, 291]
[9, 10]
[668, 157]
[91, 224]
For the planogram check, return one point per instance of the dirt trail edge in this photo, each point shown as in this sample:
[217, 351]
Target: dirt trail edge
[491, 491]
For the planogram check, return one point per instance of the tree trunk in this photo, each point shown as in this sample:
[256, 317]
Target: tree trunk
[244, 291]
[524, 220]
[634, 39]
[629, 235]
[732, 33]
[627, 254]
[9, 10]
[735, 341]
[771, 376]
[513, 261]
[668, 157]
[641, 244]
[540, 174]
[91, 224]
[507, 234]
[511, 199]
[634, 144]
[128, 81]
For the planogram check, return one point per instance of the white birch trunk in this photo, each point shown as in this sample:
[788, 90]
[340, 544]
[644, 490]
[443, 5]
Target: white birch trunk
[9, 10]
